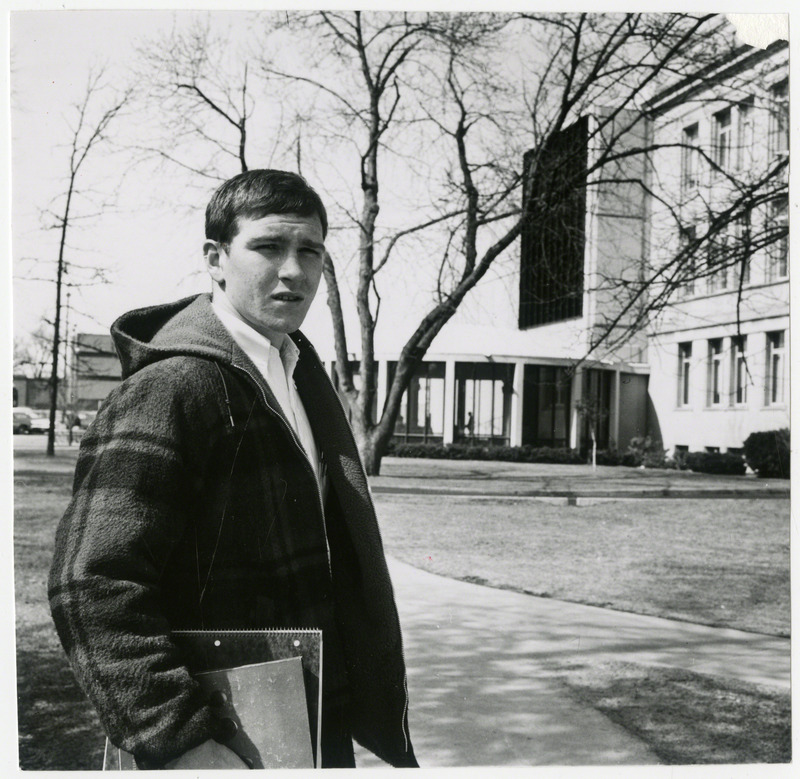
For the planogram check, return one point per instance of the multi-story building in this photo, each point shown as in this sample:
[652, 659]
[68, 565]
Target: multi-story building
[719, 352]
[704, 373]
[518, 379]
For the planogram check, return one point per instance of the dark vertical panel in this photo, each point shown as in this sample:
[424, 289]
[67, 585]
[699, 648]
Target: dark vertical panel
[553, 236]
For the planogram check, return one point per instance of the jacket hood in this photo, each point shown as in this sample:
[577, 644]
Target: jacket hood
[185, 327]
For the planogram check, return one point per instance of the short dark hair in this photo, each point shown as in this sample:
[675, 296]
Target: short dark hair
[256, 194]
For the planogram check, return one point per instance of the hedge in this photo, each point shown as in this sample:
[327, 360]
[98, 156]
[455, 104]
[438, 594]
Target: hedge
[716, 462]
[768, 454]
[516, 454]
[643, 452]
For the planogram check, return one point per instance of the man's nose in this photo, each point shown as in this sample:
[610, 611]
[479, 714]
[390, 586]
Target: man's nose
[291, 267]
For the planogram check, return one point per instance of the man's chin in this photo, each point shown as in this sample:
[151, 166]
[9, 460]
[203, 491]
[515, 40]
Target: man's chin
[278, 329]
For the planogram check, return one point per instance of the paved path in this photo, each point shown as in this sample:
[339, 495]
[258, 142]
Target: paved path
[484, 665]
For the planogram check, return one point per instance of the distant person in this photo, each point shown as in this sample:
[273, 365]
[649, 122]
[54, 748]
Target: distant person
[469, 426]
[220, 487]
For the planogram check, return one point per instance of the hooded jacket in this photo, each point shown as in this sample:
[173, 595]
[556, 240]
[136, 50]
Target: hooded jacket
[195, 507]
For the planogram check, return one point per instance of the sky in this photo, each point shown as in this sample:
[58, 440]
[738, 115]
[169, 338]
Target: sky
[149, 244]
[151, 251]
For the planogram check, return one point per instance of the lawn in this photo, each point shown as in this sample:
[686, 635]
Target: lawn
[715, 562]
[718, 562]
[686, 717]
[58, 728]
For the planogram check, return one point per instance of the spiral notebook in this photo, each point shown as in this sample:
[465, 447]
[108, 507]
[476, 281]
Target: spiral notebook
[266, 688]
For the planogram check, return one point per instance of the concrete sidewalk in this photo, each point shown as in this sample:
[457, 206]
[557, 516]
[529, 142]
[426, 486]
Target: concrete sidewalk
[483, 668]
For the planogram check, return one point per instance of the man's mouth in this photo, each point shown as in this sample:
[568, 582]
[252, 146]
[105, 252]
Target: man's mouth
[287, 297]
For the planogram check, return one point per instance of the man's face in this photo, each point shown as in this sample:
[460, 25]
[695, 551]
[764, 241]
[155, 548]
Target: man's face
[271, 269]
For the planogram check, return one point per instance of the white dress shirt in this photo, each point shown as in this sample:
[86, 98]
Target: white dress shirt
[277, 367]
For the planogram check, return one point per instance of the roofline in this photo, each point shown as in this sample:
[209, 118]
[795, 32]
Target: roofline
[739, 59]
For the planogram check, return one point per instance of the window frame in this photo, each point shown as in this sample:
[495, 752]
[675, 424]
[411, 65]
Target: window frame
[684, 374]
[690, 158]
[723, 131]
[776, 348]
[715, 378]
[778, 251]
[745, 133]
[779, 122]
[739, 371]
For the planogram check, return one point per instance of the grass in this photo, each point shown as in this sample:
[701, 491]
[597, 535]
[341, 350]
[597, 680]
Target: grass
[715, 562]
[719, 562]
[689, 718]
[58, 728]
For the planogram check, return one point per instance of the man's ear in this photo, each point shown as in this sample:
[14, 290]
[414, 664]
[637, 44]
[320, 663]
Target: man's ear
[214, 254]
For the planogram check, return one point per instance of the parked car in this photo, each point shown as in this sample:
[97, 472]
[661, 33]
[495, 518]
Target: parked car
[22, 422]
[40, 422]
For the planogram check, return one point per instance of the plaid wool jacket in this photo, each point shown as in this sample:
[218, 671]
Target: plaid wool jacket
[194, 507]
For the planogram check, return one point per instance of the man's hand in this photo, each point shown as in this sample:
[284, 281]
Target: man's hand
[209, 754]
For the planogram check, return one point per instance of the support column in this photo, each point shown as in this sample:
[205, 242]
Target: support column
[574, 418]
[515, 438]
[614, 421]
[449, 401]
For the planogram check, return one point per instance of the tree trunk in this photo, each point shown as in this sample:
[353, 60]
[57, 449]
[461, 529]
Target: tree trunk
[594, 450]
[371, 455]
[371, 440]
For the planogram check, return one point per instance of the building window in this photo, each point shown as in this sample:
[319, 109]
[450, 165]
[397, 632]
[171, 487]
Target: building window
[483, 401]
[597, 393]
[684, 370]
[745, 136]
[744, 251]
[714, 372]
[546, 393]
[421, 416]
[687, 249]
[775, 368]
[690, 159]
[722, 140]
[779, 119]
[778, 249]
[739, 370]
[719, 257]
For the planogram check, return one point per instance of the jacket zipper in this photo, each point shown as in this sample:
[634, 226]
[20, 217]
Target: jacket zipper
[404, 723]
[305, 457]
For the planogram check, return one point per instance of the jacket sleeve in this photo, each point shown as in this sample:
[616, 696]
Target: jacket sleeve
[128, 509]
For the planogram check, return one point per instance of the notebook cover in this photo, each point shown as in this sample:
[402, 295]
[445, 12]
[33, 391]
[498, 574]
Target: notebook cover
[268, 685]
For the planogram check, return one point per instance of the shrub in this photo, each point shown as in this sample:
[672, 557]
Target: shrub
[677, 462]
[645, 451]
[609, 457]
[716, 462]
[472, 451]
[767, 453]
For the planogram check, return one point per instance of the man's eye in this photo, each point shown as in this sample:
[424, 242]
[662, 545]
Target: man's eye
[309, 252]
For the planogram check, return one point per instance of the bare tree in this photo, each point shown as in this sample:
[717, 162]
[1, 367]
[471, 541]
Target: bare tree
[33, 355]
[457, 101]
[88, 126]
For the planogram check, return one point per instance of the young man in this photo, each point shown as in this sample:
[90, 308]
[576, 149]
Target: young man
[220, 488]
